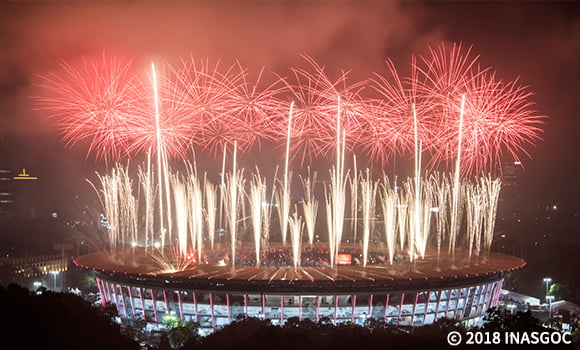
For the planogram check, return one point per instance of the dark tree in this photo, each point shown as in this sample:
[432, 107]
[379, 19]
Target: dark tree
[498, 320]
[57, 321]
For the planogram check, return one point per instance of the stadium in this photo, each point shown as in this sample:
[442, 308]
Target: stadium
[404, 293]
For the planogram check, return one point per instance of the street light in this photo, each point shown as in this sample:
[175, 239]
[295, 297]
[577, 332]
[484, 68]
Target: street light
[37, 286]
[547, 280]
[549, 299]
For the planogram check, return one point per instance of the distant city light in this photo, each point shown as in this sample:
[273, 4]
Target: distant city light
[25, 176]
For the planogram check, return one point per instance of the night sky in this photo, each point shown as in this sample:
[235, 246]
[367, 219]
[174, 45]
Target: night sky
[536, 41]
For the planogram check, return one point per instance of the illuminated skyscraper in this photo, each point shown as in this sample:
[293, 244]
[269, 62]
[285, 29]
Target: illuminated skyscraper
[26, 188]
[510, 195]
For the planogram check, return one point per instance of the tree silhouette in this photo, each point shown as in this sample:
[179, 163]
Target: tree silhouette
[57, 321]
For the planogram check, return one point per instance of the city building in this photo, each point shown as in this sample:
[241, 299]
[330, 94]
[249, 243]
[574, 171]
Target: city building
[510, 196]
[7, 196]
[26, 189]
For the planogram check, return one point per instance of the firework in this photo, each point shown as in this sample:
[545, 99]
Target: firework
[449, 111]
[163, 119]
[95, 103]
[199, 104]
[201, 91]
[498, 120]
[309, 205]
[257, 198]
[368, 200]
[317, 100]
[253, 114]
[403, 118]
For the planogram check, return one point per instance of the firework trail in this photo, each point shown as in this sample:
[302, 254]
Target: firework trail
[309, 204]
[368, 201]
[296, 228]
[182, 204]
[210, 209]
[354, 199]
[163, 180]
[120, 207]
[257, 198]
[195, 211]
[234, 186]
[160, 120]
[475, 208]
[441, 189]
[335, 193]
[491, 189]
[389, 201]
[283, 193]
[145, 176]
[455, 220]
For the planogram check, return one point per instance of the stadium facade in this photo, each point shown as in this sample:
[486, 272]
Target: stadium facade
[214, 296]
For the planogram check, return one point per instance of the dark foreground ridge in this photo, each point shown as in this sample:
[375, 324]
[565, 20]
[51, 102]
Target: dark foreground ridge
[49, 320]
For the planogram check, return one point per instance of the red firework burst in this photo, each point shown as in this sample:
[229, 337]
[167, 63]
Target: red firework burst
[118, 114]
[94, 103]
[252, 114]
[442, 76]
[497, 117]
[201, 90]
[395, 119]
[498, 120]
[314, 121]
[376, 140]
[175, 128]
[444, 73]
